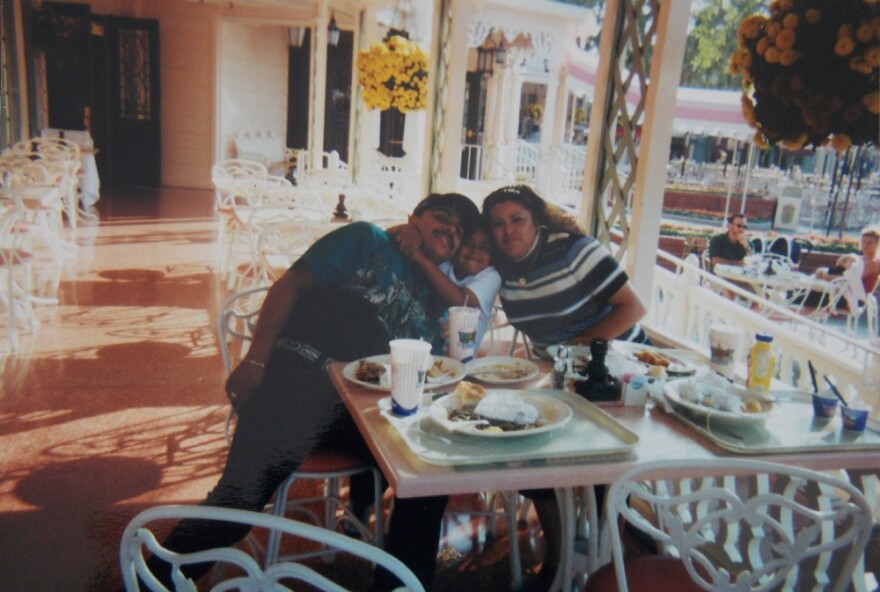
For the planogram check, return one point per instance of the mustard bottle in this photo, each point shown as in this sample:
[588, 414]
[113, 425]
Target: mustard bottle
[761, 363]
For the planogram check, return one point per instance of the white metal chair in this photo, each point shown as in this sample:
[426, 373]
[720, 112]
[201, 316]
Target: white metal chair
[139, 537]
[236, 322]
[15, 264]
[736, 525]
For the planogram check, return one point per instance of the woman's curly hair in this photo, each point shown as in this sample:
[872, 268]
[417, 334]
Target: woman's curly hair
[545, 215]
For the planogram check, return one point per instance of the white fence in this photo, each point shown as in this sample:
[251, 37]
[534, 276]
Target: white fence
[684, 304]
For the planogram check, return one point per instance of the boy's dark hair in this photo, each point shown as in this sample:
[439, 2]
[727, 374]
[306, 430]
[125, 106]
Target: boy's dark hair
[455, 203]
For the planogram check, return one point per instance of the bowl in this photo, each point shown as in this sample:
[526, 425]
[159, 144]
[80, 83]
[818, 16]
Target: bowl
[854, 419]
[824, 407]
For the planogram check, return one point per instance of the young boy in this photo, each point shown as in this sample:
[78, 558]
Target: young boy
[468, 280]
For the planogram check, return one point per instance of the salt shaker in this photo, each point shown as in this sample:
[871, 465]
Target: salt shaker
[560, 366]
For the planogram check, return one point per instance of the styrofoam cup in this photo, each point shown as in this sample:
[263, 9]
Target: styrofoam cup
[410, 360]
[463, 323]
[724, 341]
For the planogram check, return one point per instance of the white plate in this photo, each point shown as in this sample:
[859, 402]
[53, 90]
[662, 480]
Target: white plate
[501, 370]
[553, 411]
[678, 366]
[673, 394]
[454, 371]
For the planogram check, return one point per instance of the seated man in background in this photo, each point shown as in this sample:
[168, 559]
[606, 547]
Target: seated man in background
[731, 247]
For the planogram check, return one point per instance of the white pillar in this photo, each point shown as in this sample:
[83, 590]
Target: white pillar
[319, 84]
[654, 149]
[548, 162]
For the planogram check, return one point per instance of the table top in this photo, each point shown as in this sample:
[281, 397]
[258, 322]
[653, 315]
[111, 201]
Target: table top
[779, 279]
[660, 437]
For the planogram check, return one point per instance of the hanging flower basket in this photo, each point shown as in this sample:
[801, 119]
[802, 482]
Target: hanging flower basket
[810, 73]
[534, 111]
[393, 74]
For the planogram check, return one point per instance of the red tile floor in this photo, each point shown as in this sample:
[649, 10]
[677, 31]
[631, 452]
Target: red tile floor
[116, 404]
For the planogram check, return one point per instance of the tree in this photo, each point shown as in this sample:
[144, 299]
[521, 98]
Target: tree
[712, 40]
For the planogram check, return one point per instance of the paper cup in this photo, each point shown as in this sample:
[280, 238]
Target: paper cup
[854, 418]
[724, 341]
[463, 332]
[824, 405]
[410, 360]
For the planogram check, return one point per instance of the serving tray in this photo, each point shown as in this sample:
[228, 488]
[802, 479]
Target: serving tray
[590, 432]
[793, 429]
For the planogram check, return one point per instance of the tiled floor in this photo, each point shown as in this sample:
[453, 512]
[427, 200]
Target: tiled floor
[116, 403]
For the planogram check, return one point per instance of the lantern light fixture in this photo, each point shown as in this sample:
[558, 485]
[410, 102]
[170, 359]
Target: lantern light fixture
[332, 32]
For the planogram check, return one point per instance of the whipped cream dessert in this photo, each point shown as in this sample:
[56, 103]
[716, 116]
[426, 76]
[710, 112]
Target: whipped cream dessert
[507, 406]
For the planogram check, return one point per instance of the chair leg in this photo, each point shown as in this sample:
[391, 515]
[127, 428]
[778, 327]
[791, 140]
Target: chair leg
[509, 499]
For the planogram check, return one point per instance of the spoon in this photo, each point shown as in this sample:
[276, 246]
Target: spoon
[836, 392]
[813, 376]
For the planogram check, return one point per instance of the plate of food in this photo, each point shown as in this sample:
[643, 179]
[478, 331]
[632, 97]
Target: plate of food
[648, 355]
[501, 370]
[720, 400]
[374, 372]
[476, 411]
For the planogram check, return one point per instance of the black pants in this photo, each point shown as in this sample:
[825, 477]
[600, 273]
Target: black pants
[295, 411]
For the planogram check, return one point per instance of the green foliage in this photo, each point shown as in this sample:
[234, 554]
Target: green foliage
[712, 40]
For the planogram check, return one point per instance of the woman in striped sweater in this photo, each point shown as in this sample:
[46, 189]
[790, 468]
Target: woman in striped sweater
[559, 286]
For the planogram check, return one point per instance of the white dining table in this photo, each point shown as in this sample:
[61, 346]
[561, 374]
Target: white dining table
[782, 287]
[660, 436]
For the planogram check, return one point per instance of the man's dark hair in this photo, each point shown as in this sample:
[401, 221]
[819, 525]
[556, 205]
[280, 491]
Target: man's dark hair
[455, 203]
[733, 217]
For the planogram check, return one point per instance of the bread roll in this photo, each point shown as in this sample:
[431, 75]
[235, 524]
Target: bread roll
[468, 394]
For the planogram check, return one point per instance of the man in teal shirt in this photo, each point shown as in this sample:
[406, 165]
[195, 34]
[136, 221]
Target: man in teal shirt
[348, 295]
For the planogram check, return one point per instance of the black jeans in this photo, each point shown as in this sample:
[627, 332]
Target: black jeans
[295, 411]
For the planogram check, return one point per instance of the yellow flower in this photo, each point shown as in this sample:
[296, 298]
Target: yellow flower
[785, 39]
[844, 46]
[760, 140]
[858, 64]
[763, 44]
[790, 21]
[751, 26]
[813, 15]
[772, 55]
[773, 30]
[795, 144]
[864, 33]
[872, 56]
[840, 142]
[788, 56]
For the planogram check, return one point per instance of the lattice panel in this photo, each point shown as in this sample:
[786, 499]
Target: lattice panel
[620, 146]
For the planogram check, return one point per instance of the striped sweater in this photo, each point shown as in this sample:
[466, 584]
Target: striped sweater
[560, 289]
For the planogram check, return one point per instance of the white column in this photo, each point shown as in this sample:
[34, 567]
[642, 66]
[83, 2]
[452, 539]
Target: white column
[514, 105]
[548, 163]
[647, 204]
[368, 120]
[455, 49]
[319, 81]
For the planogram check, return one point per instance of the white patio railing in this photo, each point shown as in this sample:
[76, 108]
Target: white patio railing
[684, 304]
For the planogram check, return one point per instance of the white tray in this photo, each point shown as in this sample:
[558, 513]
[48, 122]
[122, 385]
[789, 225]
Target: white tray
[590, 432]
[793, 429]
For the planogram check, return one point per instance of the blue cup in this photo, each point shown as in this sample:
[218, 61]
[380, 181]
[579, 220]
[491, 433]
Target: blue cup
[854, 419]
[824, 407]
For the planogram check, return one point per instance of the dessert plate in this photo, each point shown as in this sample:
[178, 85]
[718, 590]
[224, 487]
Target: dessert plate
[552, 414]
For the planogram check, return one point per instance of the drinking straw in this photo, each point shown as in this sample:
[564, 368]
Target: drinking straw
[836, 392]
[813, 376]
